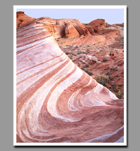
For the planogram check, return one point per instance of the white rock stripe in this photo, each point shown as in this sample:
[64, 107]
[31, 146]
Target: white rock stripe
[30, 81]
[38, 55]
[51, 106]
[37, 101]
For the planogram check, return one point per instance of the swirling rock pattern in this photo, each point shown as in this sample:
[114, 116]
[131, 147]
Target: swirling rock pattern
[56, 100]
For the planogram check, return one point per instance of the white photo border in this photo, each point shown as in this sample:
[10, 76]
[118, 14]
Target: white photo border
[15, 7]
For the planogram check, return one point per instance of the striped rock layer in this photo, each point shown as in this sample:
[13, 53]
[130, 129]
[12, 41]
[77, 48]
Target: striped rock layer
[56, 100]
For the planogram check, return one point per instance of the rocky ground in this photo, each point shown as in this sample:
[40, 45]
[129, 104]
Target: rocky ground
[96, 47]
[103, 63]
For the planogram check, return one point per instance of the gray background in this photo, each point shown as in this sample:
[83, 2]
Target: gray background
[6, 64]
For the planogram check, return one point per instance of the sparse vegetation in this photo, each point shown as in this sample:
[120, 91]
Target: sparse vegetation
[86, 65]
[81, 52]
[70, 56]
[108, 73]
[120, 94]
[105, 78]
[87, 69]
[102, 79]
[87, 50]
[88, 72]
[104, 60]
[68, 52]
[111, 78]
[113, 86]
[114, 68]
[117, 91]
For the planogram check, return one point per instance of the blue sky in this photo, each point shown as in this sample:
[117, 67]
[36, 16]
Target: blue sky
[111, 16]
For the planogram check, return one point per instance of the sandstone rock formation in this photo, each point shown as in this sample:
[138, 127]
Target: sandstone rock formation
[95, 25]
[121, 25]
[48, 23]
[97, 32]
[23, 18]
[97, 22]
[56, 100]
[77, 28]
[70, 31]
[82, 30]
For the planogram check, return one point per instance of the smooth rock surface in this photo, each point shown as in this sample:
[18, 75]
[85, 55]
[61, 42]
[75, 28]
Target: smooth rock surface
[56, 100]
[70, 31]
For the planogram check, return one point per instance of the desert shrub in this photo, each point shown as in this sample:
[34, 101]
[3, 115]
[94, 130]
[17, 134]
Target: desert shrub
[70, 56]
[108, 73]
[114, 68]
[88, 72]
[81, 52]
[111, 78]
[102, 79]
[68, 52]
[104, 60]
[85, 66]
[113, 86]
[120, 94]
[87, 50]
[87, 69]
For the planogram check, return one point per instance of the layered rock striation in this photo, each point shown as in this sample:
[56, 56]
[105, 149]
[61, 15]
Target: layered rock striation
[56, 100]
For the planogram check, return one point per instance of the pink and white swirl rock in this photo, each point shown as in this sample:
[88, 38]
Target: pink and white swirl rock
[56, 100]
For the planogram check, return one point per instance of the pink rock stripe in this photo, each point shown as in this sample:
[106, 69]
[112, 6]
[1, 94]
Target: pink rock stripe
[56, 100]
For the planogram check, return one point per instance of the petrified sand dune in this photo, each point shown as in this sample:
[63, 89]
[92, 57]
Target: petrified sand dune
[56, 100]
